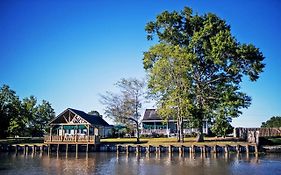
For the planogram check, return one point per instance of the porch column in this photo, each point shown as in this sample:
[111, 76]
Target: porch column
[76, 132]
[51, 129]
[88, 128]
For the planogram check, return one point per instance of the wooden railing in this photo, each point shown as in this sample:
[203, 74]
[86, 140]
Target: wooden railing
[156, 131]
[72, 139]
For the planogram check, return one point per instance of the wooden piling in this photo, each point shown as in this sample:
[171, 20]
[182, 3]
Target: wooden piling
[170, 148]
[159, 148]
[226, 148]
[214, 149]
[66, 149]
[238, 148]
[76, 150]
[256, 148]
[181, 149]
[148, 149]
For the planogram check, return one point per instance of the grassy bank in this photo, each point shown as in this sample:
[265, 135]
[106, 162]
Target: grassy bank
[21, 140]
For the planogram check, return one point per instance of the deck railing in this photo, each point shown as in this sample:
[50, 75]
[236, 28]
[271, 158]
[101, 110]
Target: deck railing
[72, 139]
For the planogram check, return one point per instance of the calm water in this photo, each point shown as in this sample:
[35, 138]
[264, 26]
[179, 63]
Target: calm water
[150, 164]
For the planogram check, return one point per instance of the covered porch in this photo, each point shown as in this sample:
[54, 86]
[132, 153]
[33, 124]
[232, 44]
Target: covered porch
[75, 127]
[67, 133]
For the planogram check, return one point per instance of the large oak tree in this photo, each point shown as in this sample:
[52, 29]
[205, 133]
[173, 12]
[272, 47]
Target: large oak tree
[196, 68]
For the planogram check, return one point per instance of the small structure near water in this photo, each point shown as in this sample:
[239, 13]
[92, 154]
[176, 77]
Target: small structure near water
[75, 127]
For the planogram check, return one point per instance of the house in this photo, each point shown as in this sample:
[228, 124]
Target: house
[75, 126]
[154, 124]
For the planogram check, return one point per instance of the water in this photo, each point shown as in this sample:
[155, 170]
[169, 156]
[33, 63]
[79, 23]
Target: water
[141, 164]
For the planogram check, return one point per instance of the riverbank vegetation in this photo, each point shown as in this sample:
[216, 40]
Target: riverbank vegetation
[24, 117]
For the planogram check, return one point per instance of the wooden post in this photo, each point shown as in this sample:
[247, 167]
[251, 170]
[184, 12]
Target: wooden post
[76, 150]
[181, 149]
[204, 149]
[190, 149]
[215, 149]
[170, 148]
[256, 148]
[247, 148]
[226, 148]
[51, 129]
[238, 148]
[58, 148]
[88, 133]
[148, 149]
[193, 148]
[66, 149]
[17, 149]
[159, 148]
[24, 149]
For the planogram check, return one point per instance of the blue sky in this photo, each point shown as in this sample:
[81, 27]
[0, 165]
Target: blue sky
[69, 52]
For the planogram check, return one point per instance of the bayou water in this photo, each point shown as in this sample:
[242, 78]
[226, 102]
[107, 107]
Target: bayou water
[141, 164]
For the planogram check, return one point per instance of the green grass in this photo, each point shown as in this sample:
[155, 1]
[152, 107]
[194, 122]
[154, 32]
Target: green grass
[275, 141]
[22, 140]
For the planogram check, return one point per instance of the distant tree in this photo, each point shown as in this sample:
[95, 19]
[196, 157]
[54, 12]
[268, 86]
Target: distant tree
[28, 113]
[94, 113]
[123, 107]
[273, 122]
[9, 108]
[22, 118]
[196, 68]
[44, 114]
[221, 126]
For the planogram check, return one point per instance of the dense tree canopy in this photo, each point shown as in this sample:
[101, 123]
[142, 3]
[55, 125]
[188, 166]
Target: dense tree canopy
[23, 118]
[196, 68]
[273, 122]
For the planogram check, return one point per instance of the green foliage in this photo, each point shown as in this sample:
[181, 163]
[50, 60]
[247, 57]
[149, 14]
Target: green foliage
[23, 118]
[196, 69]
[221, 126]
[273, 122]
[9, 108]
[125, 104]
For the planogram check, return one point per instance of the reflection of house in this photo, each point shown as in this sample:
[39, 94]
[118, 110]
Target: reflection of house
[74, 126]
[152, 123]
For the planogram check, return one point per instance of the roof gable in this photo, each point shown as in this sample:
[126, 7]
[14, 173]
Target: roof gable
[74, 116]
[151, 114]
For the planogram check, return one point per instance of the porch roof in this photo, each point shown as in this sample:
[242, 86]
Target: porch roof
[73, 116]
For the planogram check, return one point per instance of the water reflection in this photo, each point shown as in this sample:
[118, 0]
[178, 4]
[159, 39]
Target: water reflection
[139, 163]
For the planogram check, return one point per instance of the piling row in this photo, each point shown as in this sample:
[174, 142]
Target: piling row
[180, 149]
[136, 148]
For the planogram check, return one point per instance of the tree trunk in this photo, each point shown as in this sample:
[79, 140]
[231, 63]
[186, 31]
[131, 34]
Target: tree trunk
[138, 133]
[178, 130]
[181, 130]
[200, 136]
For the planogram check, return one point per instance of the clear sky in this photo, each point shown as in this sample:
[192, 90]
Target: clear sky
[69, 52]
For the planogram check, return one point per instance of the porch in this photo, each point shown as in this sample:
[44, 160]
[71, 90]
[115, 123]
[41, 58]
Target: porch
[72, 139]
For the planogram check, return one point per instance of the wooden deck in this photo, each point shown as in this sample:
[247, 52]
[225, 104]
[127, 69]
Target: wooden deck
[72, 139]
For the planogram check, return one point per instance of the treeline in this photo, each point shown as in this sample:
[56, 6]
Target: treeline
[23, 117]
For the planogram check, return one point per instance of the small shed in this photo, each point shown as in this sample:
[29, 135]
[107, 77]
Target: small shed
[75, 126]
